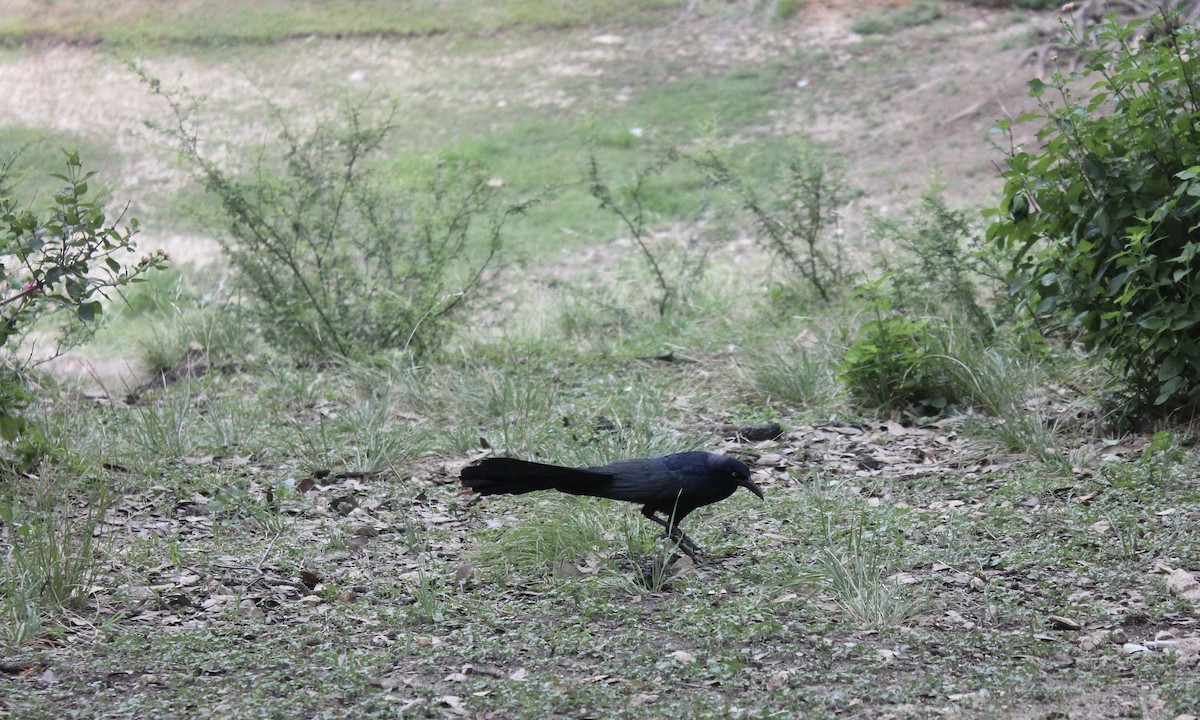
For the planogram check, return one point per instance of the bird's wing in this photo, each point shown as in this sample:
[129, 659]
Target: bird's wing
[655, 480]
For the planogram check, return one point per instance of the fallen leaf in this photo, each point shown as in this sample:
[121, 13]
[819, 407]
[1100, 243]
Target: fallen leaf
[565, 568]
[517, 675]
[642, 699]
[683, 656]
[778, 680]
[1060, 622]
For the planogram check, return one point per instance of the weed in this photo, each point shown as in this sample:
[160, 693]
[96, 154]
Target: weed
[852, 568]
[162, 427]
[332, 262]
[799, 222]
[675, 272]
[999, 380]
[798, 375]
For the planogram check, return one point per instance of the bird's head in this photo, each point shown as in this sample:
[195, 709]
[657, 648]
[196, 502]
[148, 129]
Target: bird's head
[736, 471]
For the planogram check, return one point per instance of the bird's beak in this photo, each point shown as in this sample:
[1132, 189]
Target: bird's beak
[749, 485]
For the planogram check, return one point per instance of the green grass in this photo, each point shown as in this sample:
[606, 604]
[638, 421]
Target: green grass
[910, 15]
[219, 22]
[774, 619]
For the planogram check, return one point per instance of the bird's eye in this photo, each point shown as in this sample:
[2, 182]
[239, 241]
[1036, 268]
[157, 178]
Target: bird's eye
[734, 475]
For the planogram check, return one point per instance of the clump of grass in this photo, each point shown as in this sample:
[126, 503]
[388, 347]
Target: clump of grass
[795, 374]
[163, 427]
[571, 530]
[51, 553]
[852, 568]
[999, 381]
[787, 9]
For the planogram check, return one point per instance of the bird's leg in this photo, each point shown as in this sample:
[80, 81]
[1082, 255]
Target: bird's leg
[674, 532]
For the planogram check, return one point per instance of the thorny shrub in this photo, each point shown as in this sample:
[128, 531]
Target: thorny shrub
[336, 259]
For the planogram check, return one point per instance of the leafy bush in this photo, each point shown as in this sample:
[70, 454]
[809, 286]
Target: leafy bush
[1099, 221]
[931, 310]
[63, 258]
[335, 260]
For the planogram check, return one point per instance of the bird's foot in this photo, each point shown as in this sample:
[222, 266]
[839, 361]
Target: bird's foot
[685, 546]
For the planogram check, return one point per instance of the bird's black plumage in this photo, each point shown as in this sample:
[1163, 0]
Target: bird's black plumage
[672, 485]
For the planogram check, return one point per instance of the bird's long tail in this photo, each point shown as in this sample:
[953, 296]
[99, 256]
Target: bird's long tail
[498, 476]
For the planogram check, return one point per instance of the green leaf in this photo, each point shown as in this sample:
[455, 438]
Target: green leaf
[1169, 388]
[88, 311]
[1170, 368]
[11, 426]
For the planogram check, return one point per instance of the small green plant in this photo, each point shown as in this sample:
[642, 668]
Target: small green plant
[1098, 221]
[998, 380]
[336, 260]
[787, 9]
[795, 374]
[898, 362]
[798, 223]
[942, 267]
[51, 551]
[164, 427]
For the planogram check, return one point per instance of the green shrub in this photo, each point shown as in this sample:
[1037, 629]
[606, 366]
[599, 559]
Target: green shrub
[51, 556]
[886, 366]
[898, 362]
[336, 260]
[66, 257]
[942, 267]
[1099, 221]
[675, 270]
[787, 9]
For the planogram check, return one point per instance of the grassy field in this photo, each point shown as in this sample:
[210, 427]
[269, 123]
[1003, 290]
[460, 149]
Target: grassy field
[239, 534]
